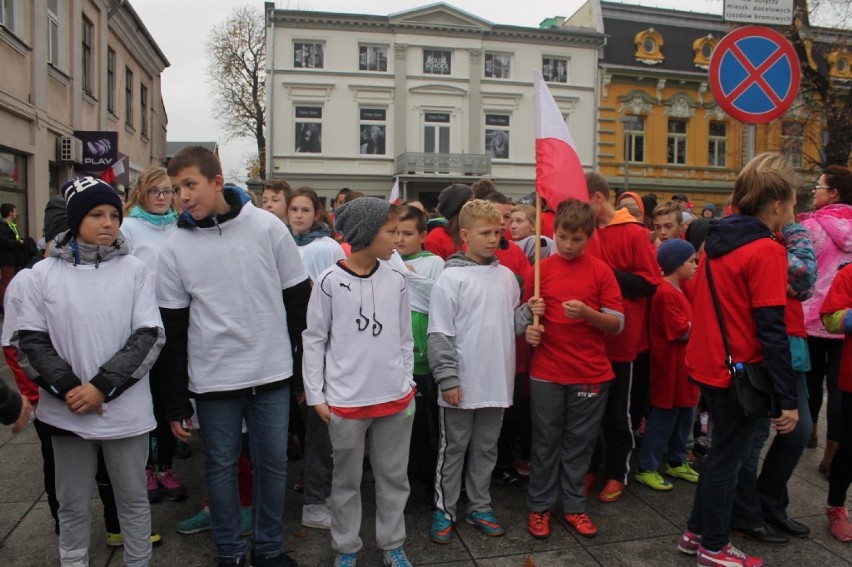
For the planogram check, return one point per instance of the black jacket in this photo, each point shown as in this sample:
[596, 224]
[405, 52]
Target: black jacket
[9, 245]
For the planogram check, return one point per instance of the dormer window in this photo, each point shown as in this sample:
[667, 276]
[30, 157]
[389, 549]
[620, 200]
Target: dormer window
[703, 48]
[840, 64]
[649, 44]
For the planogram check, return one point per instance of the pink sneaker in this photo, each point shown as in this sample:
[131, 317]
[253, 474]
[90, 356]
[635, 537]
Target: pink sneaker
[155, 493]
[838, 523]
[171, 486]
[689, 543]
[730, 556]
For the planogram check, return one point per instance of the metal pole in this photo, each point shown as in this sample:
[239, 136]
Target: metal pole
[626, 160]
[750, 135]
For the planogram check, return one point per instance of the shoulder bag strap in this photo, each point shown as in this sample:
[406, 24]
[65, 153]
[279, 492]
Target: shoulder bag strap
[729, 359]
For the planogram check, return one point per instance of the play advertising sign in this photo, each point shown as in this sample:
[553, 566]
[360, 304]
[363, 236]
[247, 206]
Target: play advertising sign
[100, 149]
[764, 12]
[754, 74]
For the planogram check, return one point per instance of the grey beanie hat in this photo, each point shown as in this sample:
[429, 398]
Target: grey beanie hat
[55, 218]
[360, 220]
[452, 199]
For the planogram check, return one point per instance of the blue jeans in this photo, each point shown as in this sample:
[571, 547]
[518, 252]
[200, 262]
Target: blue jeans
[267, 415]
[766, 497]
[666, 431]
[733, 438]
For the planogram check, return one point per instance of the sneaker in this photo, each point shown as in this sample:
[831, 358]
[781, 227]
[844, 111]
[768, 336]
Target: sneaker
[183, 450]
[316, 516]
[508, 476]
[653, 479]
[838, 523]
[701, 448]
[538, 524]
[612, 491]
[689, 543]
[683, 472]
[395, 558]
[582, 524]
[230, 562]
[730, 556]
[345, 560]
[299, 485]
[523, 467]
[172, 488]
[487, 522]
[200, 522]
[588, 482]
[281, 560]
[690, 457]
[245, 519]
[155, 491]
[442, 528]
[117, 540]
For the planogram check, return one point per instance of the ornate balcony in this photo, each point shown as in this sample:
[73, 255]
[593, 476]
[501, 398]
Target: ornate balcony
[411, 163]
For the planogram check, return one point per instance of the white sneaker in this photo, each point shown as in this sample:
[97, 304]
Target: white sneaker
[316, 516]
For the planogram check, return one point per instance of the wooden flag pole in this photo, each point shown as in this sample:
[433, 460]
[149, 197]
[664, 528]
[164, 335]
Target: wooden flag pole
[537, 266]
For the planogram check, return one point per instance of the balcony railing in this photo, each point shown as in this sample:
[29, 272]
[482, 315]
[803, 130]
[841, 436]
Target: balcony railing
[411, 163]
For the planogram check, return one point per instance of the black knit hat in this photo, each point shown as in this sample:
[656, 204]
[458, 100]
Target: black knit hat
[82, 194]
[452, 199]
[55, 218]
[360, 220]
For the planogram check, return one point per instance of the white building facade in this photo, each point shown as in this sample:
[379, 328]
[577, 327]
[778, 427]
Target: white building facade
[71, 67]
[433, 96]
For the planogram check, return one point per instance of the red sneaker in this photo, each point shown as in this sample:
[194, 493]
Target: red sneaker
[730, 556]
[689, 543]
[589, 482]
[539, 524]
[612, 491]
[838, 523]
[582, 524]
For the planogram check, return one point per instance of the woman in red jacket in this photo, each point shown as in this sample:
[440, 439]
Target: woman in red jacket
[750, 273]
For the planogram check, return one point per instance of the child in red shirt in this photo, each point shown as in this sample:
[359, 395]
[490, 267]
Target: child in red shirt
[570, 375]
[673, 398]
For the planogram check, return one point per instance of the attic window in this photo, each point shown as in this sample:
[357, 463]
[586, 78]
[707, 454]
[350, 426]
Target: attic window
[840, 64]
[703, 49]
[649, 44]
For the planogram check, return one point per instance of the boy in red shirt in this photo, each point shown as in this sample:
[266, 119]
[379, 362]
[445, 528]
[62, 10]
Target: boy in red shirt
[582, 304]
[623, 244]
[673, 397]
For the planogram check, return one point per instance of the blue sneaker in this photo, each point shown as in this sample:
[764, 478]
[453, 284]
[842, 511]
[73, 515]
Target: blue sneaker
[442, 528]
[395, 558]
[346, 560]
[487, 522]
[198, 523]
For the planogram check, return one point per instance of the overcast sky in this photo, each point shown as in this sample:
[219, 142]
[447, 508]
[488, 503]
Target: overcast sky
[180, 28]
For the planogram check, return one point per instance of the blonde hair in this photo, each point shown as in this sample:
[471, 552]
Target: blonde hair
[668, 208]
[526, 210]
[767, 178]
[148, 178]
[478, 210]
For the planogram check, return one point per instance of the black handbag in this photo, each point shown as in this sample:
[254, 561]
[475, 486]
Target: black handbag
[751, 384]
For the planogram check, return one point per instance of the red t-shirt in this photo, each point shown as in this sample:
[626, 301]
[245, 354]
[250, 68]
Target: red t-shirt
[671, 316]
[794, 318]
[624, 245]
[839, 298]
[572, 351]
[440, 243]
[547, 220]
[752, 276]
[514, 259]
[376, 410]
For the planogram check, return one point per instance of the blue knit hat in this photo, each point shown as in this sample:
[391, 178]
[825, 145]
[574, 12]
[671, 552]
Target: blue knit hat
[82, 194]
[673, 253]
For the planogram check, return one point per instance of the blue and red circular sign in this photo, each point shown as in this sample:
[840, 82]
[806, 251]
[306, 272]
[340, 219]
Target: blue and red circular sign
[755, 74]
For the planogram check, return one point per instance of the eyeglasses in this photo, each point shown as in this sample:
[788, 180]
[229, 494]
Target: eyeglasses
[817, 187]
[156, 193]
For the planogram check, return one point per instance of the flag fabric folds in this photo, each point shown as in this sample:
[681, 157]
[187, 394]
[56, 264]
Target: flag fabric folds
[394, 196]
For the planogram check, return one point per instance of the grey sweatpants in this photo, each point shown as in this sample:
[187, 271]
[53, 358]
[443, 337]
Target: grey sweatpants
[76, 462]
[389, 440]
[566, 422]
[471, 431]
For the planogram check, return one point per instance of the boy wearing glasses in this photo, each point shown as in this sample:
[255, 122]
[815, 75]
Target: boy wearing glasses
[358, 370]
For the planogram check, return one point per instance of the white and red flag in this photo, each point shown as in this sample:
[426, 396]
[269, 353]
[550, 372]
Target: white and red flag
[559, 173]
[394, 196]
[111, 174]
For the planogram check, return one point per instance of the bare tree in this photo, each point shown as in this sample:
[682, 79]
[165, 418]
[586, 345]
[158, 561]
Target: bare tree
[237, 72]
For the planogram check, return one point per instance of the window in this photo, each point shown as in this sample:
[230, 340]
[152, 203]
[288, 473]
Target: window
[372, 58]
[497, 135]
[498, 65]
[143, 114]
[554, 69]
[308, 129]
[718, 145]
[792, 142]
[634, 138]
[437, 62]
[436, 133]
[128, 97]
[111, 80]
[308, 55]
[7, 14]
[88, 62]
[372, 131]
[677, 141]
[53, 32]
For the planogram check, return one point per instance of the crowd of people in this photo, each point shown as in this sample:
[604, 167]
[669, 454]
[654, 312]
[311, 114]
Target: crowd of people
[436, 348]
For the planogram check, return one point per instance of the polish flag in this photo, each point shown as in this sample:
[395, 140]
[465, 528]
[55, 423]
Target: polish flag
[111, 174]
[394, 196]
[559, 173]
